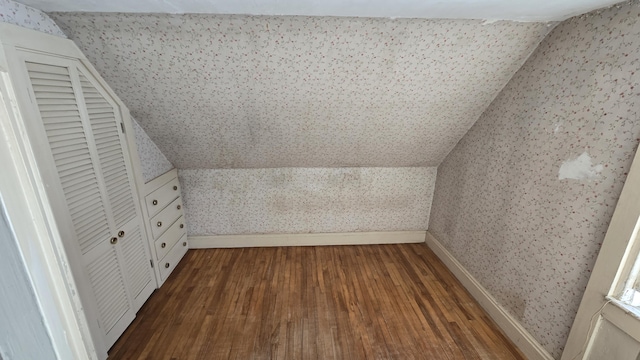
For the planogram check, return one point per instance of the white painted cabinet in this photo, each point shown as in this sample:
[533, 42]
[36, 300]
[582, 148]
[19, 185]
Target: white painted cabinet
[165, 218]
[75, 129]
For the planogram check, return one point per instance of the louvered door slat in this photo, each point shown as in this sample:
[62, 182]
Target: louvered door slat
[60, 121]
[37, 82]
[49, 76]
[62, 96]
[67, 147]
[69, 101]
[99, 108]
[38, 69]
[113, 160]
[63, 137]
[51, 89]
[102, 117]
[106, 279]
[69, 157]
[136, 261]
[78, 179]
[119, 198]
[86, 210]
[71, 173]
[57, 115]
[58, 107]
[114, 165]
[67, 144]
[61, 125]
[72, 144]
[106, 133]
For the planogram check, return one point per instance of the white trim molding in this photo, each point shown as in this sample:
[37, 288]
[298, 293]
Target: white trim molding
[269, 240]
[529, 346]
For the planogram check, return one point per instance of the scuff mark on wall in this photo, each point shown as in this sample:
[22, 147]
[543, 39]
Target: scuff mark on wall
[557, 128]
[580, 168]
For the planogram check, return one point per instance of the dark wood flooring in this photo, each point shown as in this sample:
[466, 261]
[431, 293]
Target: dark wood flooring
[332, 302]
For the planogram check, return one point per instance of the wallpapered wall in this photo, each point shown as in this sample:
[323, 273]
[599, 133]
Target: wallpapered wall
[15, 13]
[525, 198]
[152, 160]
[224, 91]
[311, 200]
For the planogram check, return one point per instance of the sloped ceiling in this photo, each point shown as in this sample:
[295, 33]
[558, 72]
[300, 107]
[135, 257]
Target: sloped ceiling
[236, 91]
[521, 10]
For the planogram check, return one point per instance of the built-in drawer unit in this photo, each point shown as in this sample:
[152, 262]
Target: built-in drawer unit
[162, 196]
[167, 240]
[165, 220]
[166, 217]
[171, 260]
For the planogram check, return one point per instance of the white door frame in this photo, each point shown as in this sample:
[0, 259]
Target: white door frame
[611, 268]
[38, 239]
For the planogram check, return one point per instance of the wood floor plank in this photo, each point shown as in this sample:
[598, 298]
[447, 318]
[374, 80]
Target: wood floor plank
[334, 302]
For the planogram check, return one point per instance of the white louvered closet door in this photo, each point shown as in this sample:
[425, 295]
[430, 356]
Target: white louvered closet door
[106, 127]
[75, 158]
[82, 125]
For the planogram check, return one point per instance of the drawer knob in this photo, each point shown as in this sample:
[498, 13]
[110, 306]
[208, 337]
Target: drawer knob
[120, 233]
[184, 243]
[114, 240]
[163, 245]
[175, 187]
[167, 265]
[159, 223]
[179, 207]
[181, 226]
[155, 202]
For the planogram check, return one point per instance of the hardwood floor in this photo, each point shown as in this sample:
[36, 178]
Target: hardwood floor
[333, 302]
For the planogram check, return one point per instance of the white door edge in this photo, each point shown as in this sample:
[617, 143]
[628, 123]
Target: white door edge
[32, 222]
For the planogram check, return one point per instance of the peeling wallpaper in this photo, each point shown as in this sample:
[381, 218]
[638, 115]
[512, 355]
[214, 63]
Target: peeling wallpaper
[234, 91]
[15, 13]
[316, 200]
[152, 160]
[525, 198]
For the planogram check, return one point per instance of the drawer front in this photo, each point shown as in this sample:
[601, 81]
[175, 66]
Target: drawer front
[165, 243]
[173, 258]
[163, 196]
[161, 222]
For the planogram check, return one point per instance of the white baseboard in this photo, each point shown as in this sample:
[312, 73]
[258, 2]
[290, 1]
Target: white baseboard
[268, 240]
[529, 346]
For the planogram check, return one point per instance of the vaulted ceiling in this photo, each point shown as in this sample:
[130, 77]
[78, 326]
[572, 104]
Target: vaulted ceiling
[521, 10]
[237, 91]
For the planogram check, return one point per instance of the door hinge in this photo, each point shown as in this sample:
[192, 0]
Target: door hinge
[122, 127]
[151, 261]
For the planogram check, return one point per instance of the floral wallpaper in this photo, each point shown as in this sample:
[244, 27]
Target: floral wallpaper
[237, 91]
[152, 160]
[15, 13]
[312, 200]
[525, 198]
